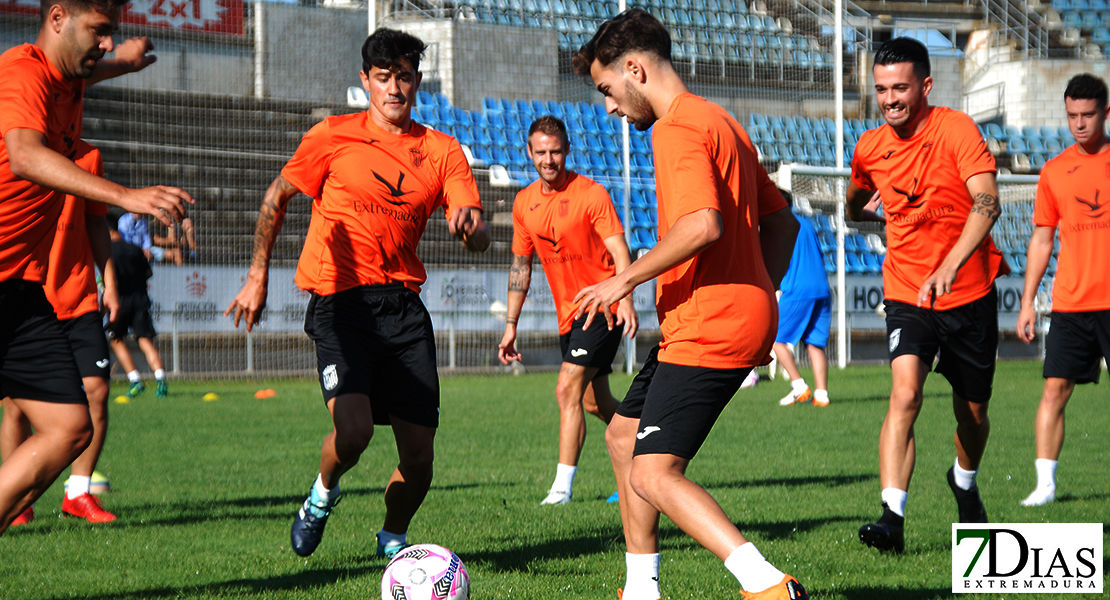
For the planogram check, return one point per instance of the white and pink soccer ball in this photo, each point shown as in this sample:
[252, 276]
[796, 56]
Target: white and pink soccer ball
[425, 572]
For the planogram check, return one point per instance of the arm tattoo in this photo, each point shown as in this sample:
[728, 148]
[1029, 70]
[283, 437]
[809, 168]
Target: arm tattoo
[270, 218]
[987, 205]
[520, 273]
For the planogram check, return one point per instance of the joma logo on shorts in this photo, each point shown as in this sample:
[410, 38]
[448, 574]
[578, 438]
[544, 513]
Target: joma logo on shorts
[330, 377]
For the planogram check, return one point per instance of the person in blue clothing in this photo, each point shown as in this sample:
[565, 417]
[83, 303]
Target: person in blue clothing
[805, 311]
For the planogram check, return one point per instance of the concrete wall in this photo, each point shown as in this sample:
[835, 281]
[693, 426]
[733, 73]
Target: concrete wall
[312, 54]
[469, 61]
[1033, 90]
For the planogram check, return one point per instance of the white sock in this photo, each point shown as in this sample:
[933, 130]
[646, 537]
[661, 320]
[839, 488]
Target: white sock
[133, 377]
[642, 579]
[392, 539]
[821, 396]
[324, 493]
[753, 571]
[799, 385]
[564, 478]
[160, 374]
[965, 480]
[895, 500]
[77, 485]
[1046, 472]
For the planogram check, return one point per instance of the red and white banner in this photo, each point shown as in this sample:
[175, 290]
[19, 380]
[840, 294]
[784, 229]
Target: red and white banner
[208, 16]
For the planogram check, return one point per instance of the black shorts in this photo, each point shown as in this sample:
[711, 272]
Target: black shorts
[377, 341]
[90, 347]
[1075, 345]
[677, 405]
[36, 362]
[133, 315]
[595, 347]
[966, 337]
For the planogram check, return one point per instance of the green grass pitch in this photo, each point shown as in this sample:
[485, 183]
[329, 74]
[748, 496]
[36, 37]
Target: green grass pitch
[206, 491]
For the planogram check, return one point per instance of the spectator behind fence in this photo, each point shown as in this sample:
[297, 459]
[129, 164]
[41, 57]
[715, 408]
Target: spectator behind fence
[178, 245]
[132, 273]
[133, 230]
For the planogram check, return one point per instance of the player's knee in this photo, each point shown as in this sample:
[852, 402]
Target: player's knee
[645, 482]
[1057, 392]
[350, 443]
[905, 400]
[96, 390]
[77, 438]
[569, 395]
[417, 466]
[618, 441]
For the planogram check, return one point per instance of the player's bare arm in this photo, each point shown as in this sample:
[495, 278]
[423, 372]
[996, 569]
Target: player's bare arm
[985, 210]
[130, 56]
[251, 300]
[777, 233]
[33, 160]
[622, 259]
[1036, 263]
[466, 223]
[690, 236]
[520, 279]
[863, 205]
[101, 243]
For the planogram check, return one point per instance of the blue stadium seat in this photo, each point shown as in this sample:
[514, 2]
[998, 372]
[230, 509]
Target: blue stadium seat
[577, 161]
[595, 160]
[612, 163]
[1052, 146]
[827, 239]
[488, 104]
[770, 152]
[639, 144]
[642, 239]
[852, 263]
[641, 163]
[1037, 160]
[641, 218]
[757, 120]
[498, 157]
[1016, 144]
[568, 109]
[1089, 20]
[1029, 132]
[608, 144]
[538, 108]
[828, 155]
[498, 138]
[871, 263]
[830, 265]
[460, 116]
[424, 98]
[440, 100]
[1035, 145]
[462, 134]
[994, 131]
[1100, 35]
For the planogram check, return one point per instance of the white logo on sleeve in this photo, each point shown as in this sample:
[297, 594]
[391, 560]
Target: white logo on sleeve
[579, 352]
[895, 337]
[330, 377]
[646, 432]
[102, 363]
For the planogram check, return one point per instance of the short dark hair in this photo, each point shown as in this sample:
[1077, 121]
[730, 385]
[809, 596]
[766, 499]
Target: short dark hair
[904, 49]
[106, 7]
[1086, 87]
[551, 126]
[632, 30]
[390, 49]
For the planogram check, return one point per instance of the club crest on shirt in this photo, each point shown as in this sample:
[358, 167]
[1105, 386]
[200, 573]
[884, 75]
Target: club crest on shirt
[564, 207]
[416, 155]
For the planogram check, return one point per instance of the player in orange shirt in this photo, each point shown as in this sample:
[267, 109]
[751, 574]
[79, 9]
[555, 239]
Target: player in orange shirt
[375, 178]
[939, 195]
[1068, 197]
[726, 237]
[81, 242]
[569, 221]
[40, 121]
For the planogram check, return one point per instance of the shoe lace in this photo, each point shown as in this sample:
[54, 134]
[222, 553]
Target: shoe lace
[318, 507]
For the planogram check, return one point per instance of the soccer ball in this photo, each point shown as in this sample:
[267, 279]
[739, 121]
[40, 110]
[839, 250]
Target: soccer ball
[425, 572]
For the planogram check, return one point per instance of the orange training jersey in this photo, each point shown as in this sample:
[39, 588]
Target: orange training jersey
[373, 192]
[718, 309]
[1069, 195]
[71, 279]
[33, 95]
[923, 183]
[567, 229]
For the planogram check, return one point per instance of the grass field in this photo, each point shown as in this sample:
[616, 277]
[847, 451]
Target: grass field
[206, 492]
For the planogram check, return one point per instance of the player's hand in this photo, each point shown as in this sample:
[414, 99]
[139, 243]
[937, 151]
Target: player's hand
[626, 315]
[937, 285]
[135, 53]
[109, 302]
[1027, 324]
[248, 305]
[598, 298]
[506, 350]
[165, 203]
[466, 224]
